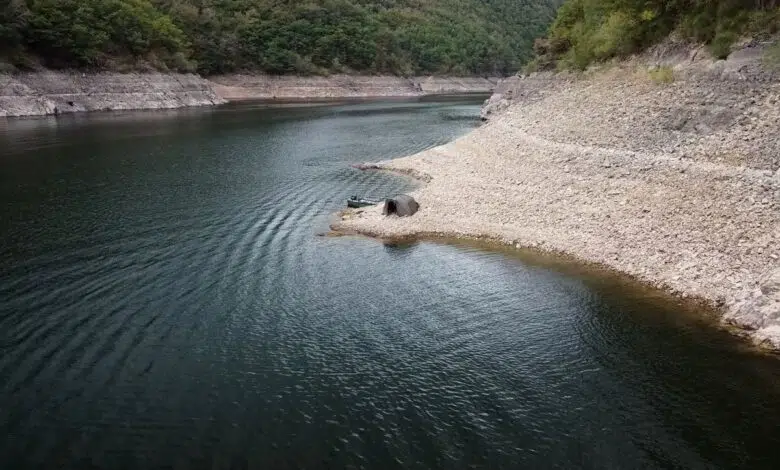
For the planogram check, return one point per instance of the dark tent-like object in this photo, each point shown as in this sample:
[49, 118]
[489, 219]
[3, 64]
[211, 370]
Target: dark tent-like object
[402, 206]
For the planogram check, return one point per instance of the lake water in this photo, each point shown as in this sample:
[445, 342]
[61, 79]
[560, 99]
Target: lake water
[166, 302]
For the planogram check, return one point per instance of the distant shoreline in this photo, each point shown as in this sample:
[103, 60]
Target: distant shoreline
[46, 93]
[363, 99]
[241, 87]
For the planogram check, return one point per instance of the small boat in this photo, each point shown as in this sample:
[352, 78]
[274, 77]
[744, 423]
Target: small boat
[355, 201]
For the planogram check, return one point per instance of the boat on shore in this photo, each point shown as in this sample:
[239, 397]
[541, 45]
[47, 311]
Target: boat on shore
[355, 202]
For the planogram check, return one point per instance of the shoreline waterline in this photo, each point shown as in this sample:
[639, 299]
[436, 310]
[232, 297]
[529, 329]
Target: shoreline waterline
[445, 214]
[336, 100]
[695, 306]
[55, 93]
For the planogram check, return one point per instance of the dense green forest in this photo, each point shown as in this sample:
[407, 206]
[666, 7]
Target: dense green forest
[587, 31]
[462, 37]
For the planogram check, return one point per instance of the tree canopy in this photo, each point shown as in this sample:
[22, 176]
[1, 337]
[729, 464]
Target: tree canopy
[586, 31]
[462, 37]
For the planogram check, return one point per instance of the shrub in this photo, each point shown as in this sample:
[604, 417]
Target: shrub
[661, 75]
[771, 59]
[541, 46]
[597, 30]
[764, 23]
[559, 45]
[721, 44]
[699, 26]
[180, 62]
[617, 36]
[532, 66]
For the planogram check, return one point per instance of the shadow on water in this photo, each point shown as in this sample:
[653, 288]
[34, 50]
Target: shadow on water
[165, 302]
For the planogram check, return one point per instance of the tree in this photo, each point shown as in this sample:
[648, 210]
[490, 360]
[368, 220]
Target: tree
[281, 36]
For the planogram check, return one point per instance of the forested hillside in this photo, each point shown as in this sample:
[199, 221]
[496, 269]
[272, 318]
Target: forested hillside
[587, 31]
[461, 37]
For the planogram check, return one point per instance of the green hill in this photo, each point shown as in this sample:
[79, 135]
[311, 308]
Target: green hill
[587, 31]
[461, 37]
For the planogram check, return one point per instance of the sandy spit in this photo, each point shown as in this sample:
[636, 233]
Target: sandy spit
[560, 174]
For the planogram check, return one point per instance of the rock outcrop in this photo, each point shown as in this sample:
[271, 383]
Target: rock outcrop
[48, 92]
[522, 89]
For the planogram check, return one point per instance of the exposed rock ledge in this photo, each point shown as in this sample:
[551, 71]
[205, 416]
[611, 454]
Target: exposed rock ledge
[244, 87]
[43, 93]
[675, 184]
[49, 92]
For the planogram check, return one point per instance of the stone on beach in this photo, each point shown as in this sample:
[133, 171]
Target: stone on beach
[402, 206]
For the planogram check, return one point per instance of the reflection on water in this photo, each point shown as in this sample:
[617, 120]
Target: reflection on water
[165, 302]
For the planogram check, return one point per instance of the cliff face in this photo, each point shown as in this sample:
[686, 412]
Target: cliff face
[245, 87]
[44, 93]
[673, 180]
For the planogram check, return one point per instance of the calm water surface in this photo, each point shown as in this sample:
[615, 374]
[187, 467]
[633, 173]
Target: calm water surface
[165, 302]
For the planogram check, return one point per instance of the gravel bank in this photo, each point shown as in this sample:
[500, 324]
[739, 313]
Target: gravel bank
[675, 184]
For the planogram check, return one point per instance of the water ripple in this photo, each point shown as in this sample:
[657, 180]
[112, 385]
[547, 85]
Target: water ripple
[168, 304]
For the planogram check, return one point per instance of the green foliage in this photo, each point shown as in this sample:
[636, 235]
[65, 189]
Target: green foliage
[532, 66]
[13, 19]
[403, 37]
[720, 47]
[771, 57]
[764, 23]
[616, 36]
[661, 75]
[88, 32]
[596, 30]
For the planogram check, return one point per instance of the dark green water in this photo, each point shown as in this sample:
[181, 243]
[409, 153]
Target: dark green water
[165, 303]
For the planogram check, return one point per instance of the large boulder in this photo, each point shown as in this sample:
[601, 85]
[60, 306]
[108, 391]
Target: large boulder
[401, 206]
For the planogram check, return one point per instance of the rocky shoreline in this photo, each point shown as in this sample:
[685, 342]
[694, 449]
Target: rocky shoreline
[264, 87]
[51, 93]
[676, 184]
